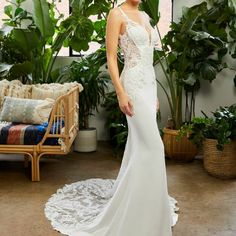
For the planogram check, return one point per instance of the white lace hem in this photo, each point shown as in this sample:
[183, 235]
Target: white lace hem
[78, 204]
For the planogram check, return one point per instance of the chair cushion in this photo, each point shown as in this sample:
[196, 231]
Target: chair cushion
[23, 134]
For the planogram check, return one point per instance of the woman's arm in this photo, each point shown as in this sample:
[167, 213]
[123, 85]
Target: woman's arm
[114, 23]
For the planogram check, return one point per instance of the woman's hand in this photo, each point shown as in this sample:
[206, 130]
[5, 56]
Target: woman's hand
[125, 104]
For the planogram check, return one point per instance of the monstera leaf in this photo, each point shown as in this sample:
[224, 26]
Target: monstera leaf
[82, 36]
[208, 72]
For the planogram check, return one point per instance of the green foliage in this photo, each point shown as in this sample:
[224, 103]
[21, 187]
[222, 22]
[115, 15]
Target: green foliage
[232, 34]
[42, 19]
[193, 51]
[36, 39]
[87, 71]
[151, 7]
[29, 39]
[116, 121]
[221, 127]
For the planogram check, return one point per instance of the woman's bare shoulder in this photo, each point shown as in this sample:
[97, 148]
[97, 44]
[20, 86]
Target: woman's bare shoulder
[115, 12]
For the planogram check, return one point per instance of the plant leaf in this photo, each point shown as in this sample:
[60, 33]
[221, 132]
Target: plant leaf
[151, 7]
[4, 69]
[5, 30]
[191, 80]
[42, 18]
[8, 10]
[25, 40]
[21, 69]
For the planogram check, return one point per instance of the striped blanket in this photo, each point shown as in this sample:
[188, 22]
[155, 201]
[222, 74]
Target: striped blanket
[24, 134]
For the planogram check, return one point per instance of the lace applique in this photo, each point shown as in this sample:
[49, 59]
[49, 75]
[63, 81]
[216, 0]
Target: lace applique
[135, 79]
[131, 53]
[138, 58]
[78, 203]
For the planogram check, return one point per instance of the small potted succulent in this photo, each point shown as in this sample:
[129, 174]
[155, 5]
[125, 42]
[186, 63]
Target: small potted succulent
[217, 136]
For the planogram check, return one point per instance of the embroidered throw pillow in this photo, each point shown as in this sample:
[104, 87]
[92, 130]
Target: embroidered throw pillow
[28, 111]
[53, 90]
[39, 93]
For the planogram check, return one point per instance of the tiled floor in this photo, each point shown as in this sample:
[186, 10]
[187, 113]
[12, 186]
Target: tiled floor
[207, 205]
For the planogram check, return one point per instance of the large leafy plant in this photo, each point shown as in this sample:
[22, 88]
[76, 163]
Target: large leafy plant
[89, 74]
[30, 42]
[192, 51]
[88, 70]
[221, 127]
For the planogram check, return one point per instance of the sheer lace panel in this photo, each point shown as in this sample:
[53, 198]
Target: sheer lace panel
[131, 52]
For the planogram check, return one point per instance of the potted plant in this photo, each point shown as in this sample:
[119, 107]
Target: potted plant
[217, 136]
[87, 71]
[190, 52]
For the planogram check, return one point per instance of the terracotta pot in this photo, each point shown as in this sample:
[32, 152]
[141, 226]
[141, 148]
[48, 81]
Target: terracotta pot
[180, 150]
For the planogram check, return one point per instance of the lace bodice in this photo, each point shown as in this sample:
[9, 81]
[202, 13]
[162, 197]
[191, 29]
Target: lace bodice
[138, 41]
[137, 44]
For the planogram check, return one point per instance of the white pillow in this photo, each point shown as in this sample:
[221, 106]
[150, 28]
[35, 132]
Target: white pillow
[40, 93]
[29, 111]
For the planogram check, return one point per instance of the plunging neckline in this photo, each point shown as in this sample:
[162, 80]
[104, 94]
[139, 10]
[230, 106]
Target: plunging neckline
[149, 34]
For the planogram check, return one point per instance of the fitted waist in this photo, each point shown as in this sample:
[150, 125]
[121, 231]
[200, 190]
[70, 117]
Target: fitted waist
[138, 64]
[139, 72]
[143, 58]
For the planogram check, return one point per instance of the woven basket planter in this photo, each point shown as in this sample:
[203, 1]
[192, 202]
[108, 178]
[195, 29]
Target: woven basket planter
[179, 150]
[221, 164]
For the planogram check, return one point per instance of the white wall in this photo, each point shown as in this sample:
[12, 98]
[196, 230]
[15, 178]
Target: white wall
[179, 4]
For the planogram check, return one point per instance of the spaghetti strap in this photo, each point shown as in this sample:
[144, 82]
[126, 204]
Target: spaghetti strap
[131, 20]
[122, 12]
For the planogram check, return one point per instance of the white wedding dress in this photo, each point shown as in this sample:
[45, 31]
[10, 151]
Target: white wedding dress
[136, 203]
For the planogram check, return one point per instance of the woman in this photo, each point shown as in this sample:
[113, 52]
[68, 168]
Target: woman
[137, 202]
